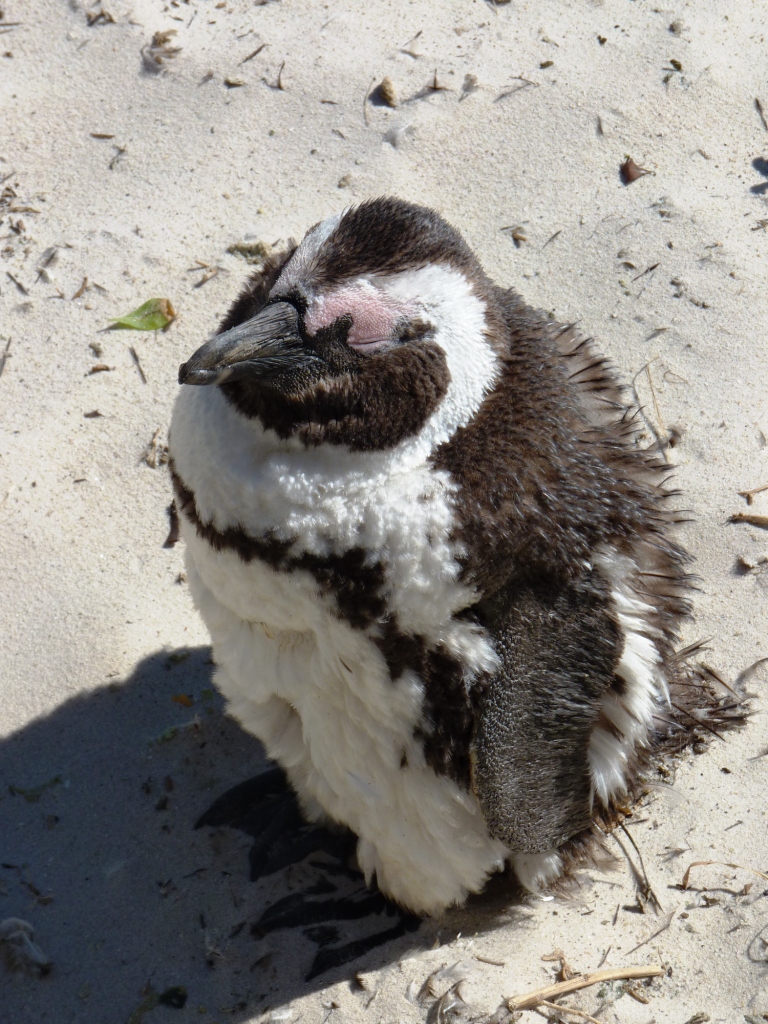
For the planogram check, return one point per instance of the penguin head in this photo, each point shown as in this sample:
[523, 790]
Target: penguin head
[377, 324]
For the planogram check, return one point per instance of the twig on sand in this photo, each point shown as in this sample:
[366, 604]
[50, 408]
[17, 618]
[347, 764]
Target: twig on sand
[137, 361]
[530, 1000]
[660, 442]
[526, 83]
[365, 101]
[749, 495]
[569, 1009]
[253, 54]
[667, 923]
[18, 283]
[4, 356]
[629, 836]
[645, 893]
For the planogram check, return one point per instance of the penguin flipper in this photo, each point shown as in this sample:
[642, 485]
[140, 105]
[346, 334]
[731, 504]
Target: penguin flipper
[559, 646]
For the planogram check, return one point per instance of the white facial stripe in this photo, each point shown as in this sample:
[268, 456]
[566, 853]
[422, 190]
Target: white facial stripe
[299, 266]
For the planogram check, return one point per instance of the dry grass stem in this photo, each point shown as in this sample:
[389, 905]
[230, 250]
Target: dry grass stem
[667, 923]
[656, 409]
[721, 863]
[365, 101]
[4, 357]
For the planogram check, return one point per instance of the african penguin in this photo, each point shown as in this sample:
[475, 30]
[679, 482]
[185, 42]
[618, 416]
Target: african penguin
[436, 564]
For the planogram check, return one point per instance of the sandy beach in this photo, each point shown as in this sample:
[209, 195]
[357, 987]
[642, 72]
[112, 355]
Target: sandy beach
[132, 170]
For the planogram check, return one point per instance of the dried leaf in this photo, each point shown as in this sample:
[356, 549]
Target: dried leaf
[19, 951]
[151, 316]
[630, 171]
[176, 996]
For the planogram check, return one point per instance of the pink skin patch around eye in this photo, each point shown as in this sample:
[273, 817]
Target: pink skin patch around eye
[373, 316]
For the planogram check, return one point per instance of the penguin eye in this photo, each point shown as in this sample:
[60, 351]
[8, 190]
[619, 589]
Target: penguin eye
[412, 330]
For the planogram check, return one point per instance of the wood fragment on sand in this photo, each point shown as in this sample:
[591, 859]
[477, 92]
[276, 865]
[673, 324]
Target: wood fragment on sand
[516, 233]
[637, 996]
[209, 271]
[750, 518]
[487, 960]
[530, 1000]
[759, 109]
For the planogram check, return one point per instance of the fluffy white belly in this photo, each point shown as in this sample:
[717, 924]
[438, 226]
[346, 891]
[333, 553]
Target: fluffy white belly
[319, 696]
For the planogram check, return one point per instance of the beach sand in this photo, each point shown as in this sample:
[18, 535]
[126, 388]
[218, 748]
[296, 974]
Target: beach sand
[125, 179]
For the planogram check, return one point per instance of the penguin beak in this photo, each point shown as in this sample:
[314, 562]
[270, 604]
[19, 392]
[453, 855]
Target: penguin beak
[267, 344]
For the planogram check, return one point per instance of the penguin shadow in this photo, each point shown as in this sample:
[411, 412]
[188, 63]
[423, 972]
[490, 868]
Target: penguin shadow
[761, 166]
[138, 909]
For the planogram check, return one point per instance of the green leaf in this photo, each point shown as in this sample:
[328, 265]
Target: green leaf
[152, 316]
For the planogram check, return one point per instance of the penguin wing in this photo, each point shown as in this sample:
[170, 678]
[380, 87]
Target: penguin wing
[559, 646]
